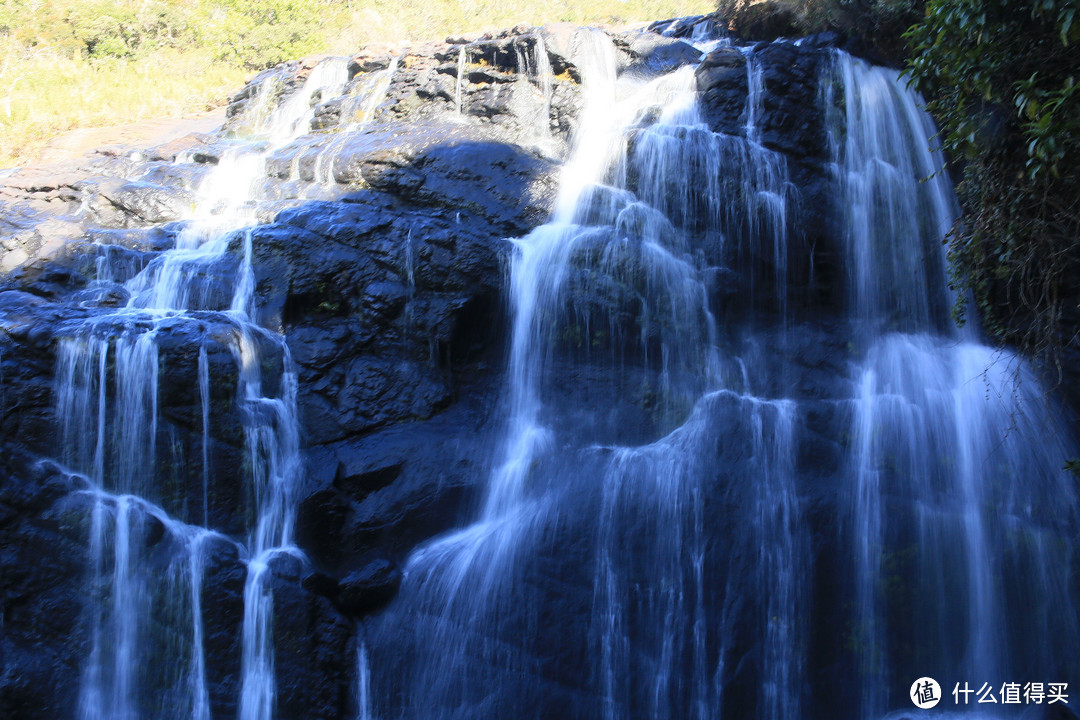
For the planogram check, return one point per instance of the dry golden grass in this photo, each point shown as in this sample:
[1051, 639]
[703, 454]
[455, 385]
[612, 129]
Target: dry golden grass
[45, 91]
[377, 21]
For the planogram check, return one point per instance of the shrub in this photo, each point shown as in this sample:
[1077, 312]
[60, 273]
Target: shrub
[1002, 84]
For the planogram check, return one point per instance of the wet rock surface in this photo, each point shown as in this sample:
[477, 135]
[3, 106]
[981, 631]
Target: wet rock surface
[379, 254]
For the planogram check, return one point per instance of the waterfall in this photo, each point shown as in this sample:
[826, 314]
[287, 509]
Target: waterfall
[673, 573]
[898, 201]
[956, 455]
[646, 183]
[675, 518]
[107, 401]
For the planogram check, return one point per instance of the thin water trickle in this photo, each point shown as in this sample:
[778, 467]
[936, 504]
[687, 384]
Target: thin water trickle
[534, 89]
[204, 399]
[358, 110]
[107, 400]
[363, 683]
[200, 694]
[459, 82]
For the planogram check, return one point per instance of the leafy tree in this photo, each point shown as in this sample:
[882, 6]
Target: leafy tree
[252, 33]
[1002, 79]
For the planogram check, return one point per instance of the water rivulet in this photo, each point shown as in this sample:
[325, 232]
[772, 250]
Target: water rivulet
[403, 418]
[112, 437]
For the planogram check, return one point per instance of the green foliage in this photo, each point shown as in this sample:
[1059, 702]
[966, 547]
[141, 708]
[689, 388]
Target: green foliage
[107, 29]
[261, 33]
[252, 33]
[1002, 83]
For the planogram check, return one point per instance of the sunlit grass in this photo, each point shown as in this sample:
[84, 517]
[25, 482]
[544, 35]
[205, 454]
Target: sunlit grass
[45, 91]
[379, 21]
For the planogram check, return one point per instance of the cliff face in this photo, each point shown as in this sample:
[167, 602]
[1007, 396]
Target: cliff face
[244, 376]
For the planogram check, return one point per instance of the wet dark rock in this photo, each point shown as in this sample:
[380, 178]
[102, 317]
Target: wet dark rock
[380, 495]
[791, 119]
[368, 63]
[654, 53]
[44, 520]
[322, 520]
[312, 659]
[512, 189]
[327, 114]
[369, 393]
[358, 484]
[366, 590]
[722, 82]
[685, 27]
[223, 611]
[27, 325]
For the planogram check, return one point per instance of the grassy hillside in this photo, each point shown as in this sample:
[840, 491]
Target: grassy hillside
[83, 63]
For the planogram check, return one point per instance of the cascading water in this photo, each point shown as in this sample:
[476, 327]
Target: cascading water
[357, 110]
[689, 553]
[957, 455]
[647, 187]
[107, 402]
[535, 75]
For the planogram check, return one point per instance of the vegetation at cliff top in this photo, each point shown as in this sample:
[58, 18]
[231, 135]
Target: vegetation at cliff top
[1004, 84]
[84, 63]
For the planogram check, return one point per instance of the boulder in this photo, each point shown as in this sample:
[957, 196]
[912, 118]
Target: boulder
[766, 20]
[370, 588]
[312, 648]
[657, 54]
[723, 84]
